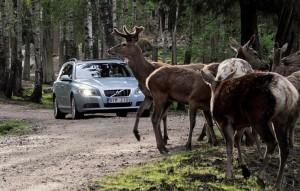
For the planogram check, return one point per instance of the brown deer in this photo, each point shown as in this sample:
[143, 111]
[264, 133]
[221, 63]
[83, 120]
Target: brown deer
[287, 65]
[141, 69]
[181, 85]
[266, 101]
[247, 53]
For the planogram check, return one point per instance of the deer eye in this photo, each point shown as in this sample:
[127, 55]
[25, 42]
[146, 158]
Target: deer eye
[123, 44]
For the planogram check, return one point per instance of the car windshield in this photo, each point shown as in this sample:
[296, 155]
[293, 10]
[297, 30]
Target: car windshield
[102, 70]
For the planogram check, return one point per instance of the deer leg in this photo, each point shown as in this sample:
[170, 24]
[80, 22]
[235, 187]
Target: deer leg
[282, 138]
[267, 134]
[146, 104]
[156, 119]
[237, 139]
[229, 139]
[203, 132]
[192, 115]
[257, 143]
[212, 136]
[249, 138]
[164, 118]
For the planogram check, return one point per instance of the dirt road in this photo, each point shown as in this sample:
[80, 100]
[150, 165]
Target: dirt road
[67, 154]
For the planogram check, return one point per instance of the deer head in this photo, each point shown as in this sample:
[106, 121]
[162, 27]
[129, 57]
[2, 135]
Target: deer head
[129, 48]
[277, 54]
[247, 53]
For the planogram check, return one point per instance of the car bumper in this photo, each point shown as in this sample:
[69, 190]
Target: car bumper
[99, 104]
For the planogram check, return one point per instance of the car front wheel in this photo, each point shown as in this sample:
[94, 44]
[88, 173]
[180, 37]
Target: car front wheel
[75, 113]
[122, 114]
[57, 113]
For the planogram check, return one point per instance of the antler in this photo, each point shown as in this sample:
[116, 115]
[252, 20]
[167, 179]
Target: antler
[251, 41]
[129, 36]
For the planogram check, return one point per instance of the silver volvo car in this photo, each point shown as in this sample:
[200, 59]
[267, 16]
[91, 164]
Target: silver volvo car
[95, 86]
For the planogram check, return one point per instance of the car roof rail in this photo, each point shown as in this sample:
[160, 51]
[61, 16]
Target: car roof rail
[73, 59]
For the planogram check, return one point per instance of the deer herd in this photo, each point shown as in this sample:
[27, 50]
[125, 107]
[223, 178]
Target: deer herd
[238, 94]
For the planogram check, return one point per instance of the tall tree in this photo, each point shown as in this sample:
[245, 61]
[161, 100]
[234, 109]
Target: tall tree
[4, 47]
[107, 22]
[95, 28]
[188, 49]
[27, 40]
[36, 23]
[70, 45]
[47, 41]
[174, 32]
[88, 30]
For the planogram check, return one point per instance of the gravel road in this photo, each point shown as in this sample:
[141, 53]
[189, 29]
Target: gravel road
[67, 154]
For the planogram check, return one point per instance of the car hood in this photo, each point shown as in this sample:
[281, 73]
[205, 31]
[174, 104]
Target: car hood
[110, 83]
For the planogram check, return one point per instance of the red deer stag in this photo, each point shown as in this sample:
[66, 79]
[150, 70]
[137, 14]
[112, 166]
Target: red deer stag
[141, 69]
[266, 101]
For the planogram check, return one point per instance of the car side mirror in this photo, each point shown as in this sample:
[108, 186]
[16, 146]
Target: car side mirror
[65, 78]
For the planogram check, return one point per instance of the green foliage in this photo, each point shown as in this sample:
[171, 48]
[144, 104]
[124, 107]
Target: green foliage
[201, 169]
[15, 127]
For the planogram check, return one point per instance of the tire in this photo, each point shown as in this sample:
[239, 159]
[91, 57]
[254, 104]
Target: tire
[122, 114]
[146, 113]
[74, 111]
[57, 113]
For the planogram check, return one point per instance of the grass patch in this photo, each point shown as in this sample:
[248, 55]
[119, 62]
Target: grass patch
[12, 127]
[201, 169]
[46, 101]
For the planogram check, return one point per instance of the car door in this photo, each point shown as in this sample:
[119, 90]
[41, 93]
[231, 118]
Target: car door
[66, 86]
[58, 88]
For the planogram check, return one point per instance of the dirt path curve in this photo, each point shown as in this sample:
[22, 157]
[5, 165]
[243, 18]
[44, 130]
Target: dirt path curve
[67, 154]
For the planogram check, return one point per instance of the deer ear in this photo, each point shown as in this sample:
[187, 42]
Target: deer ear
[234, 45]
[208, 78]
[284, 47]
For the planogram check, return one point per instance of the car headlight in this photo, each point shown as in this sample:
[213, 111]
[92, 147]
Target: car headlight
[87, 92]
[138, 91]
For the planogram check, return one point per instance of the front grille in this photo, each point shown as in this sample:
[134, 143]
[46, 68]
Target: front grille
[118, 104]
[117, 93]
[91, 105]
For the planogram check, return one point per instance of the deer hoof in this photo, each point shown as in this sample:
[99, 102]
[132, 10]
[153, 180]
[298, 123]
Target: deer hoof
[245, 171]
[137, 135]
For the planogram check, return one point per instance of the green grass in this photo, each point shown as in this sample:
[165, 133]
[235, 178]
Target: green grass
[12, 127]
[46, 101]
[201, 169]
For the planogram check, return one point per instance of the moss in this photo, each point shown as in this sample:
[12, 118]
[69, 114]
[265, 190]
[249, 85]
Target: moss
[201, 169]
[12, 127]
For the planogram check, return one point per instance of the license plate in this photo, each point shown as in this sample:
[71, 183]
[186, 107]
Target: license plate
[118, 100]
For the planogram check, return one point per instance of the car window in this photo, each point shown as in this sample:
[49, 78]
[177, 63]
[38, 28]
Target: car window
[67, 70]
[102, 70]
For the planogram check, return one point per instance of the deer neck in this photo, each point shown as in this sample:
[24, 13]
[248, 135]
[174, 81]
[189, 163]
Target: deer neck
[140, 67]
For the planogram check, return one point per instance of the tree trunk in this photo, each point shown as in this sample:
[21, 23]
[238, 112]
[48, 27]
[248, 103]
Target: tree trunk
[125, 12]
[88, 31]
[114, 13]
[4, 47]
[47, 48]
[70, 47]
[28, 37]
[288, 28]
[174, 43]
[95, 28]
[62, 42]
[156, 24]
[18, 57]
[248, 22]
[133, 12]
[36, 23]
[188, 49]
[107, 21]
